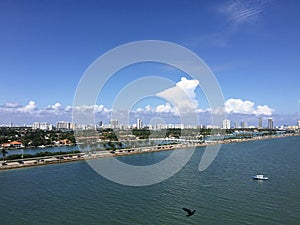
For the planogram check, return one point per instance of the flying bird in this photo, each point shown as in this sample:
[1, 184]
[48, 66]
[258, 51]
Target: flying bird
[189, 212]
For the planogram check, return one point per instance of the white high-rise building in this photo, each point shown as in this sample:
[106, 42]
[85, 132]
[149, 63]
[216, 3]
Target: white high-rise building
[299, 124]
[139, 124]
[270, 123]
[226, 124]
[260, 122]
[44, 126]
[63, 125]
[113, 123]
[36, 125]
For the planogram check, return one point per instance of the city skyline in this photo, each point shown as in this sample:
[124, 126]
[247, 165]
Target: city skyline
[114, 124]
[46, 48]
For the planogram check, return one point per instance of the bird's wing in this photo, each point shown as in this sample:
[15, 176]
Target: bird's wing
[187, 210]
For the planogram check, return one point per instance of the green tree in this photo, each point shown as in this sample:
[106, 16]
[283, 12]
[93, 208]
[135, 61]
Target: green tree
[111, 146]
[141, 133]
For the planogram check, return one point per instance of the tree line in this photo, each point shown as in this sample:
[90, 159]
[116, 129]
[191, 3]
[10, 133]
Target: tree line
[34, 137]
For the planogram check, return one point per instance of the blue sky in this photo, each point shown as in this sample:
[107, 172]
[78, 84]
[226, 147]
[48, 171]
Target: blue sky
[253, 48]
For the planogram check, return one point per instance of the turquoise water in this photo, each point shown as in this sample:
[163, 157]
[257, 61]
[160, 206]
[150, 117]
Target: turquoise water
[225, 193]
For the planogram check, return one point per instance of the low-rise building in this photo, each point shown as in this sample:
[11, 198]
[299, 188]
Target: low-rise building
[13, 144]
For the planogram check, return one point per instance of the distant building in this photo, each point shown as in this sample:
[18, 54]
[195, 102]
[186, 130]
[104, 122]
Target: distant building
[292, 127]
[270, 123]
[299, 124]
[62, 125]
[36, 125]
[122, 127]
[72, 126]
[244, 125]
[139, 124]
[226, 124]
[212, 127]
[260, 122]
[14, 144]
[42, 126]
[179, 126]
[170, 126]
[160, 126]
[113, 123]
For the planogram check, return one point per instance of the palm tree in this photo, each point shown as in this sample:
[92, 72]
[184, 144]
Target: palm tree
[4, 152]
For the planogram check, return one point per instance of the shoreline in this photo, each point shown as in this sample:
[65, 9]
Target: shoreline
[74, 157]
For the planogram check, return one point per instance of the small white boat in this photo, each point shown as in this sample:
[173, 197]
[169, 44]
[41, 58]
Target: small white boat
[260, 177]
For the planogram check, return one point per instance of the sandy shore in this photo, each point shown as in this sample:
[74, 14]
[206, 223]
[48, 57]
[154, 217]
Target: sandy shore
[13, 164]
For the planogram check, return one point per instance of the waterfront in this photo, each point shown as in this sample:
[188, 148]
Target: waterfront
[225, 193]
[53, 155]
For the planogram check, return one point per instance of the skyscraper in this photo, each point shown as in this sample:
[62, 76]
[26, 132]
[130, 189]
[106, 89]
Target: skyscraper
[62, 125]
[139, 124]
[226, 124]
[270, 123]
[260, 122]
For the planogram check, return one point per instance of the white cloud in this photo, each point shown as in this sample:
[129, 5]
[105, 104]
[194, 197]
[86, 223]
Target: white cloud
[239, 106]
[30, 107]
[68, 108]
[242, 11]
[201, 110]
[139, 110]
[263, 110]
[182, 100]
[91, 109]
[148, 108]
[182, 96]
[246, 107]
[234, 14]
[98, 108]
[166, 108]
[57, 106]
[11, 105]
